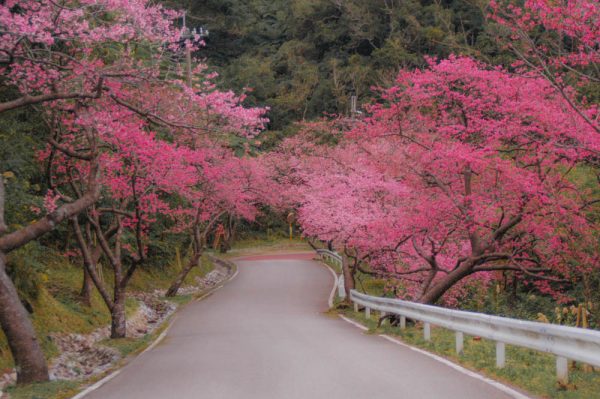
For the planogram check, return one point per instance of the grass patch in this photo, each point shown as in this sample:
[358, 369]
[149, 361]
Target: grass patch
[254, 246]
[179, 299]
[529, 370]
[51, 389]
[128, 346]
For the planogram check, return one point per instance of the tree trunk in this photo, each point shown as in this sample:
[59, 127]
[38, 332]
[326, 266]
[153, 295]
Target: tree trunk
[193, 262]
[349, 282]
[198, 244]
[442, 286]
[118, 324]
[26, 350]
[93, 257]
[86, 288]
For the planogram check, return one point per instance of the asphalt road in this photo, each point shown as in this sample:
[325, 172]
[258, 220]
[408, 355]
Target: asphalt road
[265, 335]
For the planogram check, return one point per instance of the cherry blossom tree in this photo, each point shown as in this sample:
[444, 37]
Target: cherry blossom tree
[67, 55]
[229, 186]
[558, 40]
[459, 171]
[138, 175]
[115, 104]
[139, 171]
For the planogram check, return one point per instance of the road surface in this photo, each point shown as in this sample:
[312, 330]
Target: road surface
[265, 335]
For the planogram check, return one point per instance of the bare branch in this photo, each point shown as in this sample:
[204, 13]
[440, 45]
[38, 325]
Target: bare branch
[3, 227]
[41, 98]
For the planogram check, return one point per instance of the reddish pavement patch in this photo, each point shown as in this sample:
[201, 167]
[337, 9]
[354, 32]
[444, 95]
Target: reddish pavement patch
[290, 256]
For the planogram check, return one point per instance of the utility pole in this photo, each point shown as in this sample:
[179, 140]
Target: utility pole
[190, 35]
[353, 110]
[188, 52]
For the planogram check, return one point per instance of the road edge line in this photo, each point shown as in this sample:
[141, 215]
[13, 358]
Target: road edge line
[162, 335]
[496, 384]
[97, 385]
[473, 374]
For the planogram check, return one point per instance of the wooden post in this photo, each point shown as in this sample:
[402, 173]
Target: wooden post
[402, 322]
[427, 331]
[368, 313]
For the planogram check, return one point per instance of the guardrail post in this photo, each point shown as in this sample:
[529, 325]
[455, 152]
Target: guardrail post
[500, 355]
[562, 370]
[341, 287]
[355, 307]
[565, 343]
[460, 343]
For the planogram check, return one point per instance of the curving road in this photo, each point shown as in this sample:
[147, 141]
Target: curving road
[265, 335]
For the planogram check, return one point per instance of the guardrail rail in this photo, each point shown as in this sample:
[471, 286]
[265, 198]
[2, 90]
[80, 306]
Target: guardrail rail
[566, 343]
[332, 257]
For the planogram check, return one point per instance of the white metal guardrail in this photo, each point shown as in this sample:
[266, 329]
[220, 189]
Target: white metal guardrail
[566, 343]
[336, 258]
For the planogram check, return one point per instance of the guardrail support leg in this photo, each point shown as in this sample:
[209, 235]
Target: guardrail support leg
[355, 307]
[562, 370]
[368, 313]
[402, 322]
[382, 314]
[427, 331]
[500, 355]
[459, 343]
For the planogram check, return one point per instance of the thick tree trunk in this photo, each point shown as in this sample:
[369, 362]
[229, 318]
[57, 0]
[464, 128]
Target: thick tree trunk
[118, 324]
[349, 282]
[193, 262]
[442, 286]
[26, 350]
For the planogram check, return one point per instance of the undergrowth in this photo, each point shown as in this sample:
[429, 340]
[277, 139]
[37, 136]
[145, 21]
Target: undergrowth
[57, 305]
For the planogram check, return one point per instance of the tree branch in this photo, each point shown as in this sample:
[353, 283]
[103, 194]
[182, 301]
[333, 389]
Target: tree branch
[34, 230]
[41, 98]
[88, 262]
[3, 227]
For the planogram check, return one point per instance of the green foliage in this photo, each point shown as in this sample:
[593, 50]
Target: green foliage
[304, 58]
[26, 268]
[22, 134]
[128, 346]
